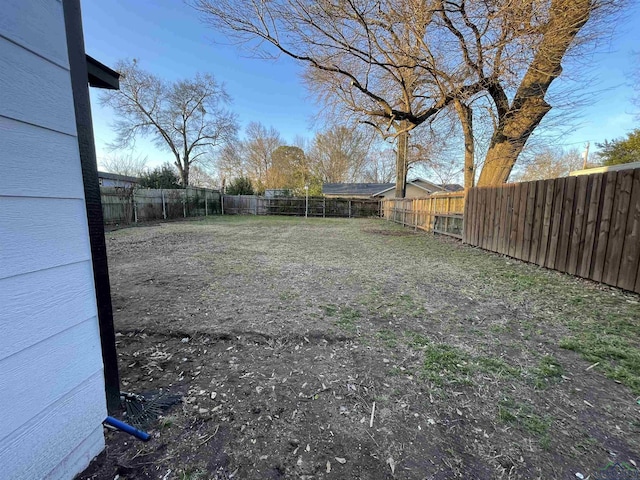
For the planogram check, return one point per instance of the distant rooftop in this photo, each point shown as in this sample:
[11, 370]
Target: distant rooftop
[369, 189]
[452, 187]
[115, 176]
[354, 188]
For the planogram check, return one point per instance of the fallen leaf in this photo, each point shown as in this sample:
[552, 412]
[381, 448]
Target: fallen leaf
[341, 460]
[328, 466]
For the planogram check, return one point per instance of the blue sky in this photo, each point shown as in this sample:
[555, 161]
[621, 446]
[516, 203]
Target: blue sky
[167, 37]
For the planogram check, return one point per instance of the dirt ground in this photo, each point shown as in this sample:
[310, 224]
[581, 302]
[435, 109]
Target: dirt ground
[356, 349]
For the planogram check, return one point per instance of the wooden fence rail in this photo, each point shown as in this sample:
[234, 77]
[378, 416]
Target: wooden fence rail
[441, 213]
[127, 205]
[587, 225]
[298, 206]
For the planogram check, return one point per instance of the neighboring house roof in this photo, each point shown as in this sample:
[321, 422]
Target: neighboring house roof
[374, 189]
[354, 188]
[425, 185]
[452, 187]
[115, 176]
[612, 168]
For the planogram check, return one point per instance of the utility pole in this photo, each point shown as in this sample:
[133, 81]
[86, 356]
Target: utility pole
[585, 156]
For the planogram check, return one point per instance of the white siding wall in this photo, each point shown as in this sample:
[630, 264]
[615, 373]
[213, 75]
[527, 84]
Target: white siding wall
[52, 399]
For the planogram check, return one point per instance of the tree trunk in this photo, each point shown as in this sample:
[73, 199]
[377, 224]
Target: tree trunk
[402, 161]
[516, 121]
[506, 144]
[184, 174]
[465, 114]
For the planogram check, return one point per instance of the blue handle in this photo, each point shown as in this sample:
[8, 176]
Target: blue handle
[125, 427]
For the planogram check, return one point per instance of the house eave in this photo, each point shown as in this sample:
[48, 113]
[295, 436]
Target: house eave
[101, 76]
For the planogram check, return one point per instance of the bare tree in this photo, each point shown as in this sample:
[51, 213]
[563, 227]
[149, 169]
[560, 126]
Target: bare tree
[259, 144]
[398, 64]
[250, 157]
[199, 177]
[125, 164]
[380, 167]
[519, 48]
[229, 161]
[187, 117]
[339, 154]
[550, 163]
[366, 58]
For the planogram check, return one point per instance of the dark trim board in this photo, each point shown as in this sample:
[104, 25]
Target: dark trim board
[79, 83]
[101, 76]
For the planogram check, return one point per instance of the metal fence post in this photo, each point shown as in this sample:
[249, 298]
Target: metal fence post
[135, 209]
[184, 204]
[164, 207]
[349, 208]
[206, 207]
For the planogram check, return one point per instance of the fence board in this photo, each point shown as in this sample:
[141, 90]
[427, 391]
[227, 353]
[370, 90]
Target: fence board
[528, 223]
[503, 244]
[496, 220]
[565, 228]
[536, 229]
[556, 222]
[587, 226]
[629, 267]
[604, 225]
[591, 226]
[547, 216]
[513, 235]
[618, 227]
[577, 238]
[522, 213]
[127, 205]
[472, 197]
[440, 213]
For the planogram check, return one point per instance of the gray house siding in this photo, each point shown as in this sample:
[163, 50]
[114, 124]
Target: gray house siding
[51, 373]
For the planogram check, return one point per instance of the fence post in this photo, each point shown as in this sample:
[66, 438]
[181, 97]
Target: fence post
[324, 207]
[135, 209]
[404, 213]
[164, 208]
[184, 204]
[349, 208]
[206, 207]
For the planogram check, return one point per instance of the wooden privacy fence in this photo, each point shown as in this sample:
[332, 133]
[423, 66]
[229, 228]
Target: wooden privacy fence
[587, 225]
[439, 212]
[127, 205]
[297, 206]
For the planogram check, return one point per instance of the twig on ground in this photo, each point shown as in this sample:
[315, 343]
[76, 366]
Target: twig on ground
[209, 437]
[373, 412]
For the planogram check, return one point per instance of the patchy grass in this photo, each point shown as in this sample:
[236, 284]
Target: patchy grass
[417, 340]
[347, 318]
[611, 340]
[497, 367]
[523, 415]
[548, 371]
[289, 341]
[388, 337]
[445, 364]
